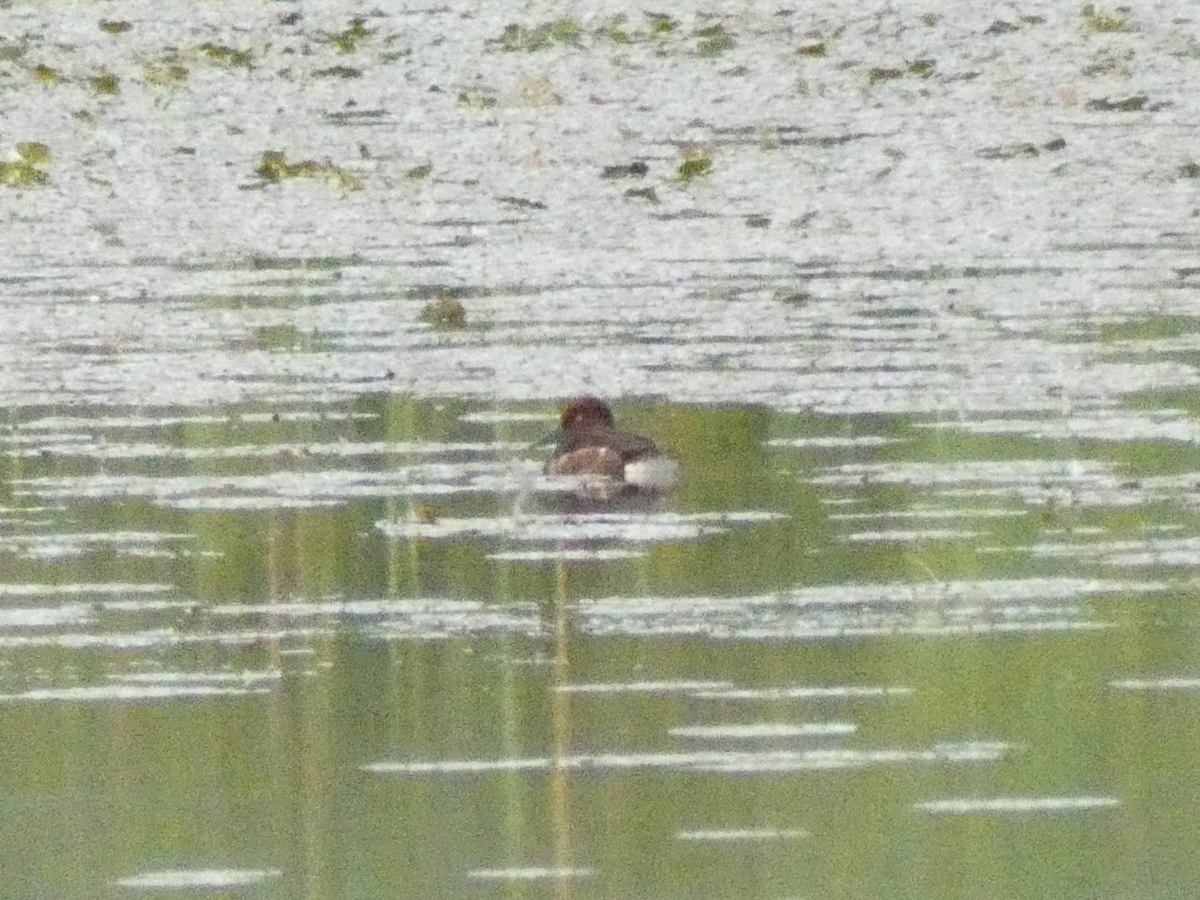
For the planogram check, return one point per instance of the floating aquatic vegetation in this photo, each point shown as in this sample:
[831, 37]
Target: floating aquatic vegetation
[1026, 149]
[1095, 19]
[661, 23]
[416, 173]
[47, 75]
[33, 153]
[281, 338]
[106, 84]
[1110, 64]
[522, 202]
[445, 313]
[1136, 103]
[275, 167]
[164, 74]
[648, 194]
[115, 27]
[426, 512]
[921, 68]
[815, 49]
[477, 96]
[517, 37]
[636, 169]
[615, 29]
[792, 298]
[226, 55]
[696, 162]
[24, 172]
[347, 41]
[714, 40]
[538, 90]
[339, 72]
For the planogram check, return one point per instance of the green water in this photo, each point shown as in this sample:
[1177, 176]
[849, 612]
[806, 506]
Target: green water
[286, 606]
[853, 695]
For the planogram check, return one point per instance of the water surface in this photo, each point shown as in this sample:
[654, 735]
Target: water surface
[287, 606]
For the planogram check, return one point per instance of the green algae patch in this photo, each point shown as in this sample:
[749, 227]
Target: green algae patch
[815, 50]
[519, 38]
[1097, 20]
[106, 84]
[696, 162]
[616, 30]
[283, 338]
[43, 74]
[417, 173]
[227, 56]
[477, 96]
[921, 68]
[661, 23]
[881, 73]
[22, 175]
[164, 74]
[348, 41]
[24, 172]
[274, 167]
[714, 40]
[33, 152]
[445, 313]
[114, 27]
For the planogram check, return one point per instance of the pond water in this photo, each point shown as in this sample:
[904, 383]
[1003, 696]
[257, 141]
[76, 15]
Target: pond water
[289, 292]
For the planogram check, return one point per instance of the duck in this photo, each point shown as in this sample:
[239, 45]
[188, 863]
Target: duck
[611, 462]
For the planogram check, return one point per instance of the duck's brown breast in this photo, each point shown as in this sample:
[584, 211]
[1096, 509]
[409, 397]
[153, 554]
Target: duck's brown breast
[588, 460]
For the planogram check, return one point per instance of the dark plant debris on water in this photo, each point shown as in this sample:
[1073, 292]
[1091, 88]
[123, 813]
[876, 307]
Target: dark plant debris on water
[1015, 151]
[445, 313]
[636, 169]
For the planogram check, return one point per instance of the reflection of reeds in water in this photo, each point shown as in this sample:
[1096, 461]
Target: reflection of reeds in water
[560, 718]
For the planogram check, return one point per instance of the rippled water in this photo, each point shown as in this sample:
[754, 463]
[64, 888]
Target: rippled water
[287, 605]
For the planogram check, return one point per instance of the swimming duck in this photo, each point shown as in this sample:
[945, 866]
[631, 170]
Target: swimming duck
[611, 461]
